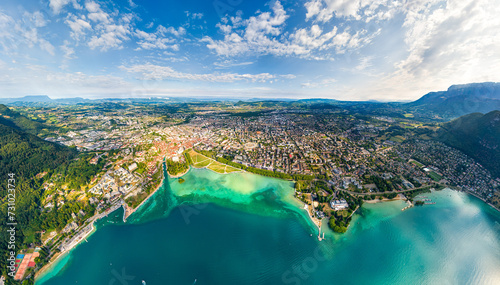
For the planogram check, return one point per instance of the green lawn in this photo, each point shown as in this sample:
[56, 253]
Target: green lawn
[200, 161]
[436, 177]
[417, 163]
[398, 139]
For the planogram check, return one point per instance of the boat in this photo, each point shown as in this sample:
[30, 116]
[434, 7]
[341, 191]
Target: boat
[143, 282]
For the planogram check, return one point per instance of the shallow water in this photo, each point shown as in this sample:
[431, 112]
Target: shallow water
[246, 229]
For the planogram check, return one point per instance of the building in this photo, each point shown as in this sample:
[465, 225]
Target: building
[338, 205]
[132, 167]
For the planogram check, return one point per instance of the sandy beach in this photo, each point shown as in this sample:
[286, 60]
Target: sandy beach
[383, 200]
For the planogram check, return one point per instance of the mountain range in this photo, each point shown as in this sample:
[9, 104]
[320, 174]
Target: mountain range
[477, 135]
[460, 100]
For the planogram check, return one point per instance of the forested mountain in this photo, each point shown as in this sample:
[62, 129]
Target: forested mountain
[26, 155]
[478, 136]
[14, 119]
[460, 100]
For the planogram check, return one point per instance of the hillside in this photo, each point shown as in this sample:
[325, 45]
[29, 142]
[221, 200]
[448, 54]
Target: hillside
[478, 136]
[27, 155]
[460, 100]
[14, 119]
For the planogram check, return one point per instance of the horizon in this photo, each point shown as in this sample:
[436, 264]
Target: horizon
[381, 51]
[199, 97]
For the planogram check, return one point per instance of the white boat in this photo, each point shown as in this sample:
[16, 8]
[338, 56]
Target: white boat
[143, 282]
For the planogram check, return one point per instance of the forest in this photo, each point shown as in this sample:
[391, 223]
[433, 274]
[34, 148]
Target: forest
[25, 155]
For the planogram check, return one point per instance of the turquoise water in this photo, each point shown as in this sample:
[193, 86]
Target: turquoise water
[258, 235]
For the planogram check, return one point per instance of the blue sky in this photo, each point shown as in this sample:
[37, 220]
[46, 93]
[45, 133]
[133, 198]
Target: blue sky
[389, 50]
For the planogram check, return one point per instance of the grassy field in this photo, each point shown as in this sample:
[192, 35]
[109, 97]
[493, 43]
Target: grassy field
[436, 177]
[398, 139]
[200, 161]
[417, 163]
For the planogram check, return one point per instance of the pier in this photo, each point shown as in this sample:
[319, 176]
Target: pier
[407, 207]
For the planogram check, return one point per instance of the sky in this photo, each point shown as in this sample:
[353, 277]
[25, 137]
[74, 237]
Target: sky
[386, 50]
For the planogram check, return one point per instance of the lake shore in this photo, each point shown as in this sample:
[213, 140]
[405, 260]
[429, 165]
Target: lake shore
[383, 200]
[475, 195]
[126, 213]
[129, 211]
[53, 261]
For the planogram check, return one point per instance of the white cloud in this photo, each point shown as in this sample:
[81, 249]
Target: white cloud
[6, 25]
[171, 30]
[78, 26]
[37, 19]
[194, 16]
[254, 35]
[132, 4]
[35, 79]
[156, 72]
[92, 7]
[447, 43]
[98, 17]
[365, 63]
[46, 46]
[110, 36]
[14, 36]
[158, 39]
[58, 5]
[96, 14]
[314, 38]
[263, 34]
[231, 63]
[103, 30]
[69, 53]
[366, 10]
[325, 82]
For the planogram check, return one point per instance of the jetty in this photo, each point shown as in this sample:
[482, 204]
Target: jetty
[407, 207]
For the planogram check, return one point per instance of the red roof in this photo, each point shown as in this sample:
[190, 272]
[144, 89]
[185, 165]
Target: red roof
[31, 264]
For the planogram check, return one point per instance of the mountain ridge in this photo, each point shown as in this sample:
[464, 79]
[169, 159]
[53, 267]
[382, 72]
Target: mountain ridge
[459, 100]
[478, 136]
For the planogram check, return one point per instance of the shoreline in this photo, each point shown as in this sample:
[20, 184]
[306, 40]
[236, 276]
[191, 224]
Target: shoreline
[126, 213]
[74, 244]
[57, 256]
[179, 175]
[375, 201]
[48, 266]
[317, 223]
[206, 167]
[129, 211]
[475, 195]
